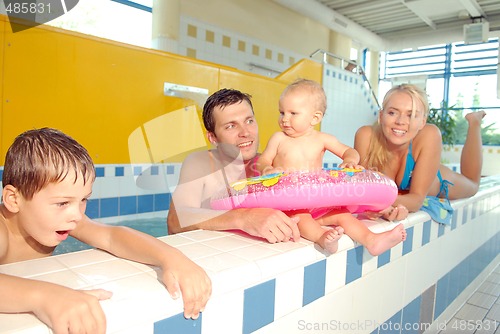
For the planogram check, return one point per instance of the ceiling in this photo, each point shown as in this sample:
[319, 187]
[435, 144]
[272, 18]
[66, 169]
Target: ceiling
[387, 25]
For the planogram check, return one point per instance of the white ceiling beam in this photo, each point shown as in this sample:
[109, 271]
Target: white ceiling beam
[335, 22]
[473, 8]
[419, 13]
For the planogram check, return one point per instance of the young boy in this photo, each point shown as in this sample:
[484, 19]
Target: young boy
[47, 181]
[299, 147]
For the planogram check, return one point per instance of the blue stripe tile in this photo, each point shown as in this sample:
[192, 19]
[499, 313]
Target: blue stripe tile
[92, 210]
[384, 258]
[119, 171]
[162, 201]
[440, 229]
[99, 171]
[170, 170]
[441, 301]
[411, 317]
[145, 203]
[137, 170]
[354, 264]
[154, 170]
[454, 220]
[392, 325]
[426, 232]
[178, 324]
[314, 282]
[258, 306]
[128, 205]
[109, 207]
[408, 243]
[465, 214]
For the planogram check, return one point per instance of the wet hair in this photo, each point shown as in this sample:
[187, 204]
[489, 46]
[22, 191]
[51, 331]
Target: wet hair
[43, 156]
[222, 98]
[378, 155]
[312, 88]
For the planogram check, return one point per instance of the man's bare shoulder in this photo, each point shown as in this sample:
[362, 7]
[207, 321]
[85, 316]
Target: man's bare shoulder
[197, 165]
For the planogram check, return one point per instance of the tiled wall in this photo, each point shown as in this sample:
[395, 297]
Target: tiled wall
[210, 43]
[125, 192]
[349, 105]
[291, 287]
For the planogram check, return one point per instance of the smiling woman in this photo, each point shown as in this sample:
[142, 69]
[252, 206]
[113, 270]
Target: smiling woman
[401, 138]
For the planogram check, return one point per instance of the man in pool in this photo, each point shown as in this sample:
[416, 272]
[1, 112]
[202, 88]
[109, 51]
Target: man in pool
[231, 127]
[47, 180]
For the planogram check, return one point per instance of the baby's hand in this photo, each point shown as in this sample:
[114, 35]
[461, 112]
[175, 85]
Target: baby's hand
[271, 170]
[351, 165]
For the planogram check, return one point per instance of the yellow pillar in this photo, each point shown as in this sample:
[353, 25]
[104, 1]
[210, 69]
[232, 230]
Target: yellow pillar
[166, 25]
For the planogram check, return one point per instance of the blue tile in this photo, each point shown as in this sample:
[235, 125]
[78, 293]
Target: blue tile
[354, 264]
[99, 171]
[137, 170]
[109, 207]
[440, 229]
[92, 210]
[258, 306]
[119, 171]
[154, 170]
[454, 220]
[441, 300]
[408, 243]
[1, 174]
[161, 201]
[384, 258]
[426, 232]
[465, 214]
[392, 325]
[178, 324]
[128, 205]
[411, 317]
[314, 282]
[170, 169]
[145, 203]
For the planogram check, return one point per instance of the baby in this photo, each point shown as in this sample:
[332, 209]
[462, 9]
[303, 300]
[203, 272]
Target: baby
[300, 147]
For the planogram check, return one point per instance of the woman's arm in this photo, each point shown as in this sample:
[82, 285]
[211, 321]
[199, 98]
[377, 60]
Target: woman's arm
[427, 147]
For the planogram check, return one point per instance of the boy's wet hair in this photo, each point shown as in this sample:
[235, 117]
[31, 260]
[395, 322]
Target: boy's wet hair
[43, 156]
[222, 98]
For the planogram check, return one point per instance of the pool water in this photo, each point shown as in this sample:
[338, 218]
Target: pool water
[157, 227]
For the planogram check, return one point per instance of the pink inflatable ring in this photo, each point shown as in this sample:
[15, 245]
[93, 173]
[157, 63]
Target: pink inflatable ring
[355, 190]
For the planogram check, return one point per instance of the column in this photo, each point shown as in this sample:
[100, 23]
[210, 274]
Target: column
[166, 25]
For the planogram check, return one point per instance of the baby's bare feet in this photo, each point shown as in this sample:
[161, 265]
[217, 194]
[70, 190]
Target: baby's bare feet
[381, 242]
[330, 239]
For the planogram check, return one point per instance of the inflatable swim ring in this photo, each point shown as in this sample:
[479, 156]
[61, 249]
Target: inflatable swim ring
[353, 189]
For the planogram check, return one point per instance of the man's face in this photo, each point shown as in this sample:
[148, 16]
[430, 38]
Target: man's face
[236, 131]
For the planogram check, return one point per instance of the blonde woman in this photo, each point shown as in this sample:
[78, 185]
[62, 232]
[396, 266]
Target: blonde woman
[407, 149]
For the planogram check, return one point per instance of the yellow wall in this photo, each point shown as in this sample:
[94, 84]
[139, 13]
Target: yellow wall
[99, 91]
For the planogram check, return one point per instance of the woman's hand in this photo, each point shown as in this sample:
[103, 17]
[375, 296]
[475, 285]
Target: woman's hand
[398, 212]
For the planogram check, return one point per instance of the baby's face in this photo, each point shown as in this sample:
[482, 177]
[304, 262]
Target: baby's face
[296, 114]
[53, 212]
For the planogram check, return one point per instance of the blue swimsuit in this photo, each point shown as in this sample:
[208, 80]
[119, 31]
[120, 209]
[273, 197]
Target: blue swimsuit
[439, 209]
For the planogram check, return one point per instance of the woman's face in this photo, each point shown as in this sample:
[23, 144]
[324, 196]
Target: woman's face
[398, 121]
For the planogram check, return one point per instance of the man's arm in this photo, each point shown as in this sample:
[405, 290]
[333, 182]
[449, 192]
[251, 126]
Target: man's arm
[272, 225]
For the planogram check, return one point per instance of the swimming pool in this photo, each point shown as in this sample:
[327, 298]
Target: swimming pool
[157, 227]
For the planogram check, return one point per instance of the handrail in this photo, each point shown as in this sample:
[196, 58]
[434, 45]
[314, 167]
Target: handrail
[359, 69]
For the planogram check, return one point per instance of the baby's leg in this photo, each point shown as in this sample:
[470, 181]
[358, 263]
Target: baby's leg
[375, 243]
[311, 230]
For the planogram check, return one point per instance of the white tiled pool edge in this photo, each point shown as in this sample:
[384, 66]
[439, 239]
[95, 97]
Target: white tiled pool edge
[290, 287]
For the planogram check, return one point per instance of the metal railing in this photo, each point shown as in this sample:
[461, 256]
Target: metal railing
[349, 65]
